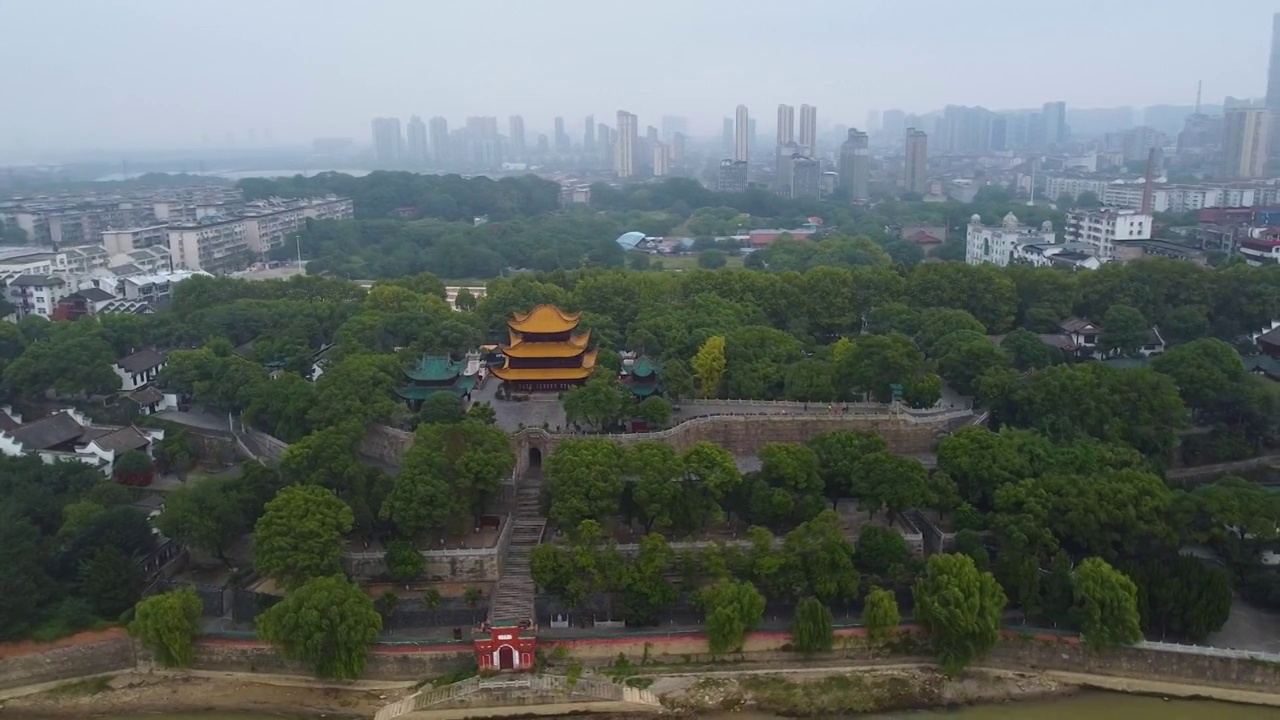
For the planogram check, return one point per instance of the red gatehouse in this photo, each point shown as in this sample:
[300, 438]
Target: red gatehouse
[506, 646]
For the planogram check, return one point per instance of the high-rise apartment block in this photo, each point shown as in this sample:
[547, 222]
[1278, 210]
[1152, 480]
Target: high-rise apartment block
[416, 145]
[589, 134]
[726, 138]
[809, 130]
[388, 144]
[1244, 143]
[1055, 122]
[786, 124]
[515, 128]
[673, 124]
[563, 145]
[915, 170]
[661, 159]
[855, 165]
[438, 128]
[677, 147]
[732, 176]
[624, 165]
[1273, 89]
[741, 134]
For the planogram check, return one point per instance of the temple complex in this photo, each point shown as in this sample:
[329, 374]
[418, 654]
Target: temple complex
[437, 373]
[544, 352]
[640, 376]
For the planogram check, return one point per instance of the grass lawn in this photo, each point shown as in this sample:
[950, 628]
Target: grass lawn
[690, 262]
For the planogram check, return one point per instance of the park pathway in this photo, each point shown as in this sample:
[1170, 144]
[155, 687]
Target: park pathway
[513, 597]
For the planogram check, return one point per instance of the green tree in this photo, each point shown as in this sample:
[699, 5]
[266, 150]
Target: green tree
[1106, 605]
[839, 453]
[1205, 370]
[1181, 596]
[895, 483]
[110, 580]
[712, 259]
[443, 408]
[811, 630]
[880, 615]
[880, 551]
[1124, 330]
[209, 516]
[327, 623]
[654, 410]
[584, 480]
[1028, 351]
[709, 365]
[961, 608]
[168, 625]
[299, 536]
[732, 609]
[404, 562]
[597, 403]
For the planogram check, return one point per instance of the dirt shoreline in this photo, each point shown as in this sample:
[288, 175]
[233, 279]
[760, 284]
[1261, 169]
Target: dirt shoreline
[799, 692]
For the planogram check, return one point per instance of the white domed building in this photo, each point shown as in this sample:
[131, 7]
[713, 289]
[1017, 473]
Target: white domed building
[1009, 241]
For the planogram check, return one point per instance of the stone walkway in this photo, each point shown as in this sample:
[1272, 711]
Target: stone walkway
[513, 596]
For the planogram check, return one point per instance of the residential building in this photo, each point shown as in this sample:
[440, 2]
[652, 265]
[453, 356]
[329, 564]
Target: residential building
[661, 159]
[125, 241]
[806, 178]
[624, 163]
[139, 369]
[673, 124]
[732, 176]
[68, 435]
[87, 259]
[1273, 87]
[677, 147]
[784, 166]
[388, 143]
[855, 165]
[786, 124]
[1261, 246]
[1057, 186]
[915, 170]
[809, 130]
[215, 246]
[515, 132]
[589, 135]
[1102, 230]
[438, 129]
[139, 262]
[563, 145]
[741, 135]
[1244, 142]
[727, 137]
[36, 294]
[31, 261]
[153, 287]
[416, 148]
[1004, 243]
[1055, 122]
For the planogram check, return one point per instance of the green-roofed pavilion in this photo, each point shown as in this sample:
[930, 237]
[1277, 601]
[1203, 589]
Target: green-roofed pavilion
[643, 378]
[432, 374]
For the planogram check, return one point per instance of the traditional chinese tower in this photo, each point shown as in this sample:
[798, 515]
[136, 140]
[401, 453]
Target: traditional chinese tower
[641, 377]
[545, 352]
[433, 374]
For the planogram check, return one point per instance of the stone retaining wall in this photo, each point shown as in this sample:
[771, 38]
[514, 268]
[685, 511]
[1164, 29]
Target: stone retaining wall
[109, 652]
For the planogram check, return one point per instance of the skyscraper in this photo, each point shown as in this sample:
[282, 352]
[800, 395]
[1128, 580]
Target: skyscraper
[661, 159]
[673, 124]
[855, 165]
[741, 134]
[809, 130]
[1273, 88]
[873, 121]
[439, 129]
[893, 124]
[516, 131]
[915, 171]
[604, 145]
[1055, 122]
[416, 135]
[624, 164]
[589, 134]
[388, 144]
[1244, 144]
[562, 138]
[786, 124]
[677, 147]
[726, 138]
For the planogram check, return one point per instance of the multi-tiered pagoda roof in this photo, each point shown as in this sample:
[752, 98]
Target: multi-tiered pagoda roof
[544, 351]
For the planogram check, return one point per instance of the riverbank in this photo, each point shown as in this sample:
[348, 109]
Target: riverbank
[842, 691]
[132, 693]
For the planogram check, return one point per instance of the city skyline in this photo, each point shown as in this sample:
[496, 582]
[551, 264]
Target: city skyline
[370, 67]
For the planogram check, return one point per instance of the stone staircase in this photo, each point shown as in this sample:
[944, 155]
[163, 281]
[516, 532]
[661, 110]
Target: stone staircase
[513, 598]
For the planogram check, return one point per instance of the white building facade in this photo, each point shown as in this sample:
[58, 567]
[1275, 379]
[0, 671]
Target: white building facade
[1100, 230]
[1002, 244]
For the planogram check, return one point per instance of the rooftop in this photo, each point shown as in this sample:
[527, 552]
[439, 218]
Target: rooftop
[48, 432]
[36, 281]
[141, 361]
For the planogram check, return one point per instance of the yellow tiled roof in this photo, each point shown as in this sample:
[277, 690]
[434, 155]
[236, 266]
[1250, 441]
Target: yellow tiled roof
[521, 349]
[544, 319]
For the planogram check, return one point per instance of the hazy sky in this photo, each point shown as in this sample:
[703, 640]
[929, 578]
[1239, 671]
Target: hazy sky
[165, 73]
